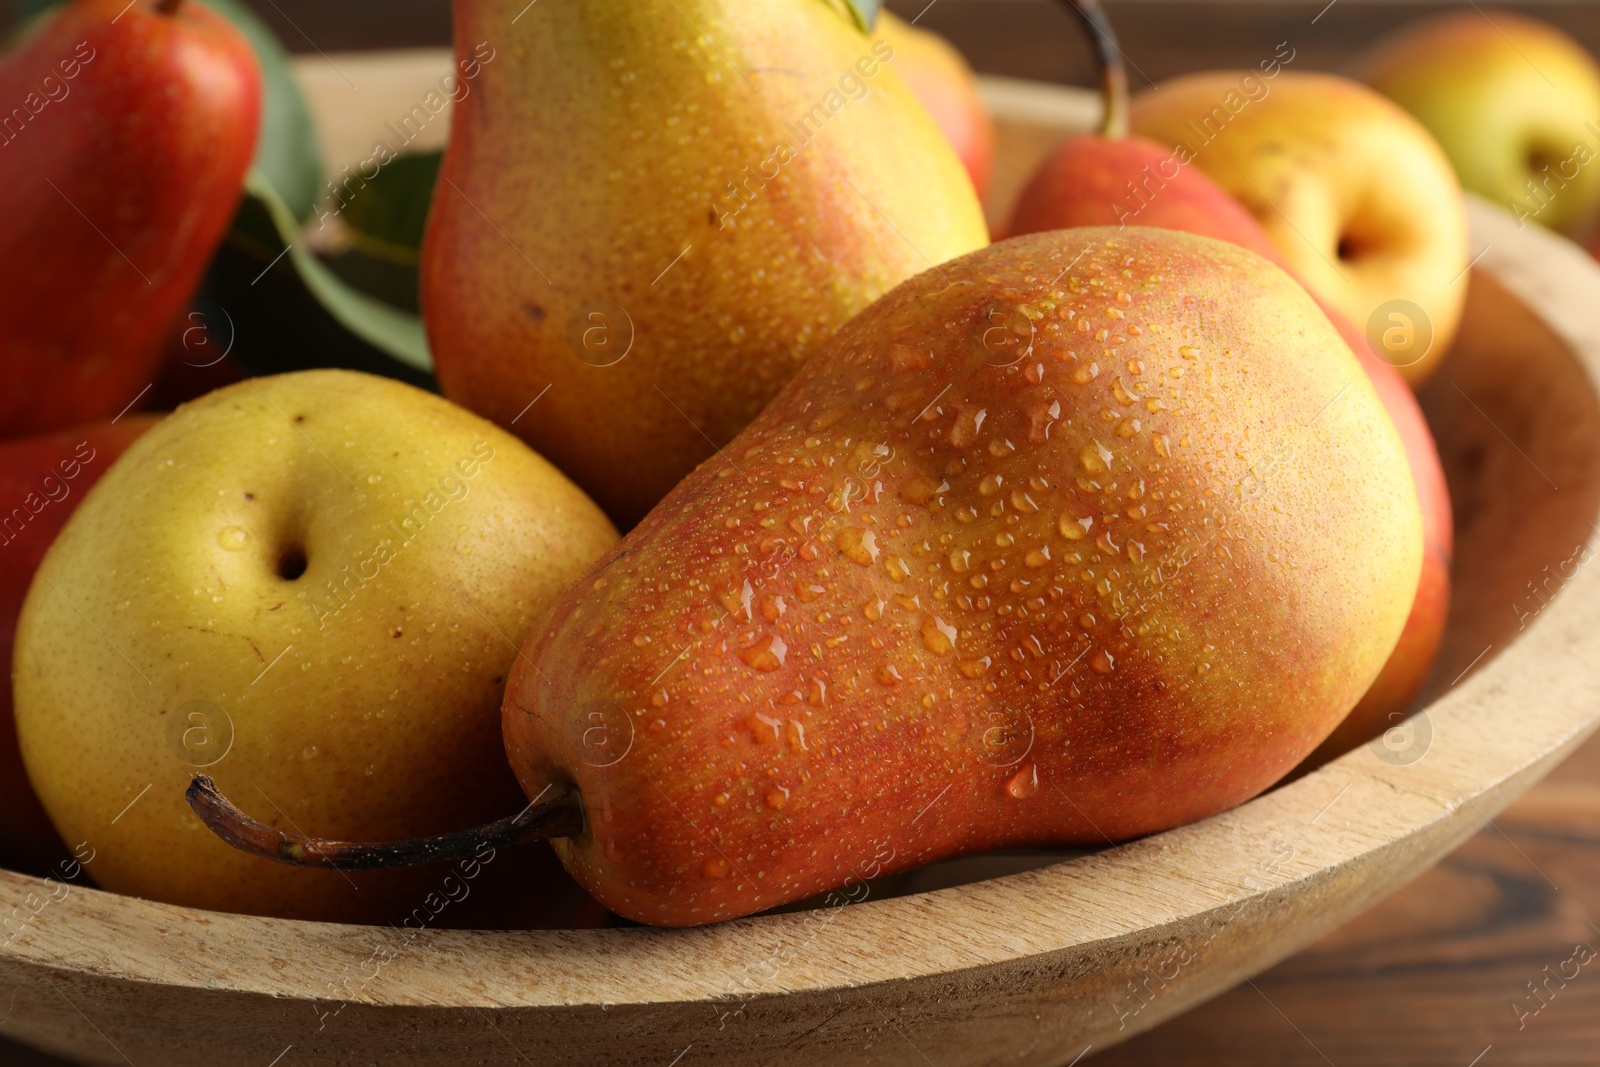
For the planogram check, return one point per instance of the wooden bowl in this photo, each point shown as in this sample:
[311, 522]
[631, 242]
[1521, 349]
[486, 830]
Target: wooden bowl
[1036, 967]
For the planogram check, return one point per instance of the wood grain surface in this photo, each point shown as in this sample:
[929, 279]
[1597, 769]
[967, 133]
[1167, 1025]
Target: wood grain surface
[1439, 974]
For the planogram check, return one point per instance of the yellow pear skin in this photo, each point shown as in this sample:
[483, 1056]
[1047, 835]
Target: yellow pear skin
[312, 588]
[1514, 102]
[1355, 194]
[652, 212]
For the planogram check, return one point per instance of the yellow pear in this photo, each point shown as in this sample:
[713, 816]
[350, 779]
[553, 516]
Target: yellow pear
[312, 587]
[652, 212]
[1514, 102]
[947, 86]
[1356, 195]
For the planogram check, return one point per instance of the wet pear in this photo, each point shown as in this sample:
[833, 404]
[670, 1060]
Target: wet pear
[1113, 179]
[652, 212]
[1081, 537]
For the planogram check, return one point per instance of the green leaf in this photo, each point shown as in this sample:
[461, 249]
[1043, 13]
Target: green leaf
[291, 310]
[865, 12]
[23, 13]
[383, 220]
[27, 17]
[394, 283]
[389, 215]
[384, 327]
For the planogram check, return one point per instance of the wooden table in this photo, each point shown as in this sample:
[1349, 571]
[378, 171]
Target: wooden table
[1438, 974]
[1490, 959]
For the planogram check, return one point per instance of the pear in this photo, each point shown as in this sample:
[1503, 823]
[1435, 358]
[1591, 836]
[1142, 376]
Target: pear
[122, 155]
[945, 83]
[312, 586]
[1355, 194]
[42, 480]
[1074, 539]
[1514, 102]
[651, 213]
[1079, 538]
[1111, 178]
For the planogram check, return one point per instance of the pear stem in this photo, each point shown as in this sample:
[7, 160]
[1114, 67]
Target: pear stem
[1113, 73]
[168, 7]
[561, 816]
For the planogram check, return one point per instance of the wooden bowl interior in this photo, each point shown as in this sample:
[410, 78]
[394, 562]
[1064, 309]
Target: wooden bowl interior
[1516, 419]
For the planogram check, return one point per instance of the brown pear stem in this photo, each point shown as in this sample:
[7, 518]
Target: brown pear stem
[1113, 72]
[561, 816]
[168, 7]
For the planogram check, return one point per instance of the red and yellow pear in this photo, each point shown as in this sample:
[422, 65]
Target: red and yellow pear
[943, 80]
[1110, 178]
[650, 215]
[123, 159]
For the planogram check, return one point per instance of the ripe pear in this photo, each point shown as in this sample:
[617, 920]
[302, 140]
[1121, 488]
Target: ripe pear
[42, 480]
[1074, 539]
[127, 131]
[1117, 180]
[1354, 193]
[943, 80]
[1097, 180]
[313, 587]
[652, 213]
[1514, 102]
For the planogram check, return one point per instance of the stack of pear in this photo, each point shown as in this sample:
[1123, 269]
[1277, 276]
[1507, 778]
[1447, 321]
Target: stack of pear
[651, 214]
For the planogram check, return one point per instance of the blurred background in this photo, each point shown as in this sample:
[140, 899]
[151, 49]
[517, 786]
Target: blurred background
[1019, 38]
